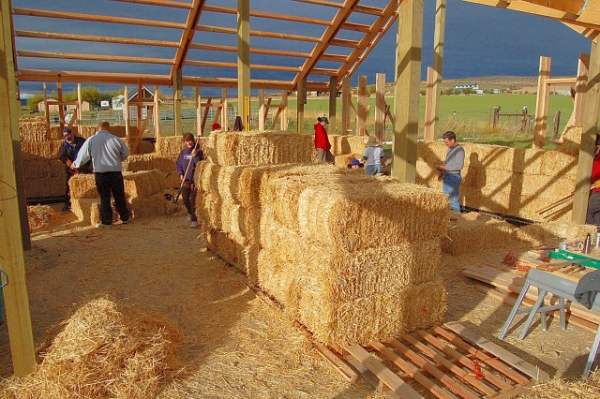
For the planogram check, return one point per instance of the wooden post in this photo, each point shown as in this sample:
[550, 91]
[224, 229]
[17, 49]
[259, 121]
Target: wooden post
[556, 125]
[524, 120]
[138, 121]
[12, 261]
[361, 101]
[284, 112]
[47, 111]
[199, 117]
[80, 113]
[126, 109]
[588, 138]
[496, 117]
[408, 77]
[428, 128]
[541, 103]
[61, 111]
[580, 88]
[332, 104]
[379, 106]
[261, 110]
[243, 34]
[224, 114]
[177, 96]
[345, 106]
[300, 101]
[156, 115]
[438, 57]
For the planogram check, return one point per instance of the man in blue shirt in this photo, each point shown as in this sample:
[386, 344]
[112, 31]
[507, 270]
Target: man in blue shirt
[107, 152]
[455, 161]
[67, 154]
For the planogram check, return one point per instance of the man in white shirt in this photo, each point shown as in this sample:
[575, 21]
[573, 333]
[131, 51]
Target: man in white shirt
[455, 161]
[107, 152]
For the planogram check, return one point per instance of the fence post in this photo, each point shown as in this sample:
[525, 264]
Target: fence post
[496, 116]
[524, 120]
[556, 123]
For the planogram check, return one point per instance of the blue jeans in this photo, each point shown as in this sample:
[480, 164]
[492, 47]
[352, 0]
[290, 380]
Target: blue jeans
[451, 184]
[373, 169]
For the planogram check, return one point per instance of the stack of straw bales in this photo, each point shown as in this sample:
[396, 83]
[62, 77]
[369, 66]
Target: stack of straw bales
[476, 233]
[103, 352]
[346, 148]
[510, 181]
[43, 174]
[33, 129]
[144, 191]
[352, 257]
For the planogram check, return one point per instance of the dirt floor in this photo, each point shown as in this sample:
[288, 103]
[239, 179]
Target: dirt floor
[232, 344]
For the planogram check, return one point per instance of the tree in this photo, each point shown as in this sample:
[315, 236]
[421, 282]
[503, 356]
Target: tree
[32, 102]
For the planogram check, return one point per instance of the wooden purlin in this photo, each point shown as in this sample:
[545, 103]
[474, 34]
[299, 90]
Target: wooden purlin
[95, 57]
[96, 18]
[268, 15]
[378, 29]
[187, 36]
[340, 17]
[97, 39]
[257, 33]
[253, 50]
[233, 65]
[162, 3]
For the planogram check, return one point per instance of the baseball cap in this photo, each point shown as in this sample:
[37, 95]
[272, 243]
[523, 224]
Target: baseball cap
[67, 131]
[323, 119]
[355, 162]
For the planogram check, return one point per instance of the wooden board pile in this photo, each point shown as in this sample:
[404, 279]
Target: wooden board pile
[352, 257]
[510, 181]
[144, 192]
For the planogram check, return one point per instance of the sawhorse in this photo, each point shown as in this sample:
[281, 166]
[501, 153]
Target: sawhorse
[564, 289]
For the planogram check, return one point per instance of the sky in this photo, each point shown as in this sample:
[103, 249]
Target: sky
[479, 40]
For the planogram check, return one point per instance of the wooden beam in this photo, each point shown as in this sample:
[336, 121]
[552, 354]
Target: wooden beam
[187, 36]
[95, 57]
[162, 3]
[438, 62]
[588, 138]
[361, 103]
[232, 65]
[345, 128]
[300, 102]
[243, 43]
[126, 110]
[326, 39]
[541, 106]
[98, 39]
[156, 115]
[271, 35]
[96, 18]
[269, 15]
[61, 110]
[224, 112]
[284, 110]
[47, 111]
[32, 75]
[580, 88]
[379, 106]
[177, 97]
[199, 119]
[569, 6]
[428, 121]
[408, 74]
[332, 105]
[18, 317]
[79, 110]
[261, 110]
[253, 50]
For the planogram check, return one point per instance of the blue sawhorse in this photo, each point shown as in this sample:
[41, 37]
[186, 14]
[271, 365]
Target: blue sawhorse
[564, 289]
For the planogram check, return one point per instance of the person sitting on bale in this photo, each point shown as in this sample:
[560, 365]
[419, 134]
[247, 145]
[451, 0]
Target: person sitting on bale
[355, 164]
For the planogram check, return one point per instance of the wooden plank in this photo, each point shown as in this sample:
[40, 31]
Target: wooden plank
[395, 383]
[541, 108]
[187, 36]
[333, 90]
[361, 103]
[338, 364]
[93, 38]
[379, 106]
[580, 88]
[412, 371]
[205, 114]
[480, 355]
[95, 57]
[18, 317]
[269, 15]
[243, 60]
[428, 123]
[156, 116]
[451, 383]
[458, 371]
[469, 363]
[515, 361]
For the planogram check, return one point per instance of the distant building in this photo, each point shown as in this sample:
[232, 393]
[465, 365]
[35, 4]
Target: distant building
[53, 106]
[117, 102]
[497, 91]
[465, 86]
[479, 92]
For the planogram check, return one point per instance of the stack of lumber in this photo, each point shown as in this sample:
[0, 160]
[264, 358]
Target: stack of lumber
[352, 257]
[144, 192]
[505, 286]
[510, 181]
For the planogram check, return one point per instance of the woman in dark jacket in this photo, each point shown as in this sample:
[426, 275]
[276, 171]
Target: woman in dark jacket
[185, 166]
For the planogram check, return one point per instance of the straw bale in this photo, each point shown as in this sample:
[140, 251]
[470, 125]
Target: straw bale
[433, 153]
[236, 250]
[259, 148]
[102, 352]
[334, 321]
[342, 160]
[528, 160]
[87, 210]
[559, 164]
[476, 233]
[137, 163]
[83, 186]
[45, 149]
[172, 146]
[350, 217]
[561, 387]
[571, 141]
[426, 171]
[152, 205]
[347, 144]
[540, 233]
[32, 129]
[40, 167]
[144, 183]
[45, 187]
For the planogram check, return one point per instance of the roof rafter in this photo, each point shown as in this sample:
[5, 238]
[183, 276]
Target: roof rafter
[187, 36]
[98, 39]
[269, 15]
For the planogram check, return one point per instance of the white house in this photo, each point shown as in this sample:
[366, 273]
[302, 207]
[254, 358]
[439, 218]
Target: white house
[464, 86]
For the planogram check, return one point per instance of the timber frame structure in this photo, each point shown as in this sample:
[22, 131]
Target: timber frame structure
[206, 43]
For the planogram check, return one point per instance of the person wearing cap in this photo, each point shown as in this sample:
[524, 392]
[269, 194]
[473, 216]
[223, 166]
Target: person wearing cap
[322, 143]
[185, 165]
[355, 164]
[450, 169]
[67, 153]
[373, 156]
[593, 211]
[107, 152]
[215, 126]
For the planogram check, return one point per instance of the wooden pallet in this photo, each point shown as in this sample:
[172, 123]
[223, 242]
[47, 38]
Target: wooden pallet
[447, 362]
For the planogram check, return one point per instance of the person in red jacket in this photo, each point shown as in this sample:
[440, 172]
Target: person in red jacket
[593, 211]
[322, 141]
